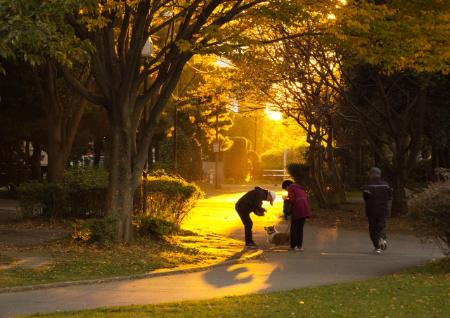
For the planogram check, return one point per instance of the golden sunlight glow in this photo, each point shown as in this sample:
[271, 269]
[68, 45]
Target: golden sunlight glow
[274, 115]
[331, 16]
[223, 63]
[217, 214]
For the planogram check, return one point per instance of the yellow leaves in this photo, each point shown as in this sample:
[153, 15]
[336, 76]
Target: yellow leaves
[184, 46]
[301, 302]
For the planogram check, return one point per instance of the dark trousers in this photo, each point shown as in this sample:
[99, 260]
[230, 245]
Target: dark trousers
[297, 232]
[377, 228]
[248, 224]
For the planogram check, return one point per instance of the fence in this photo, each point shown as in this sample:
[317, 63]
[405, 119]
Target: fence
[275, 174]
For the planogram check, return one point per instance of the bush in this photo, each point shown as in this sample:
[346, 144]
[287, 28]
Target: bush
[80, 195]
[421, 172]
[430, 211]
[168, 199]
[86, 189]
[94, 230]
[299, 172]
[145, 225]
[41, 199]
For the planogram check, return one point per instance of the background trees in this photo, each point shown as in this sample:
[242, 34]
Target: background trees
[362, 80]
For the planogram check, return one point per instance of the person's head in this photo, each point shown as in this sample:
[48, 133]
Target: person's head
[271, 197]
[374, 173]
[286, 183]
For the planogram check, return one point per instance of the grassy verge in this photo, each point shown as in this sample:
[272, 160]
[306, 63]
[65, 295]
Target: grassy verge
[352, 216]
[65, 261]
[420, 292]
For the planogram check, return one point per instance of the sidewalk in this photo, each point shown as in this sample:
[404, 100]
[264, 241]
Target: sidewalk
[331, 256]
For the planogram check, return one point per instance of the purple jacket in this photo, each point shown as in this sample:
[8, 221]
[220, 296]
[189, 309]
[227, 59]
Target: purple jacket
[299, 200]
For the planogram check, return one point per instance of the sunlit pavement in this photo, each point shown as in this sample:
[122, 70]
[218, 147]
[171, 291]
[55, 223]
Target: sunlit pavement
[330, 256]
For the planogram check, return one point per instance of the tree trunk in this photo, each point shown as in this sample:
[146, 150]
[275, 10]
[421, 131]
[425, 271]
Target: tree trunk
[399, 204]
[56, 156]
[337, 186]
[36, 171]
[316, 175]
[121, 184]
[98, 147]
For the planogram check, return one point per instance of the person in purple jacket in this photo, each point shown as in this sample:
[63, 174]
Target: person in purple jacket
[300, 211]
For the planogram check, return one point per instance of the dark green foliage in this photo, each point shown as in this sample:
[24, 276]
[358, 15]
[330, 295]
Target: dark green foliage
[147, 225]
[299, 172]
[430, 210]
[80, 195]
[421, 172]
[94, 230]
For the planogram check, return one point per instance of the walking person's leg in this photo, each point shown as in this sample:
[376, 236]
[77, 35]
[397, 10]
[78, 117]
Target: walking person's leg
[300, 233]
[374, 235]
[380, 229]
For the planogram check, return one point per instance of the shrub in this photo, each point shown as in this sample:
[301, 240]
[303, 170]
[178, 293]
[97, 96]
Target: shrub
[41, 199]
[86, 189]
[147, 225]
[430, 211]
[80, 195]
[94, 230]
[421, 172]
[167, 197]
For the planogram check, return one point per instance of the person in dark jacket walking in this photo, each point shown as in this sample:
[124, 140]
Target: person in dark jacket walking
[252, 202]
[377, 193]
[299, 212]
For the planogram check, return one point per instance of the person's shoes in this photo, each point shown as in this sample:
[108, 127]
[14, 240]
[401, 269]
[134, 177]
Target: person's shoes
[383, 244]
[377, 251]
[251, 245]
[297, 249]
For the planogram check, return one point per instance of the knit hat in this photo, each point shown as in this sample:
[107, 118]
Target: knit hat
[271, 197]
[375, 172]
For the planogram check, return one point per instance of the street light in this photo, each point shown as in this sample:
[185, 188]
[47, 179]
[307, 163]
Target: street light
[145, 55]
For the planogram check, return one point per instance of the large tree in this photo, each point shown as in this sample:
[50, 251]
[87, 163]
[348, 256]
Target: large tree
[35, 33]
[118, 31]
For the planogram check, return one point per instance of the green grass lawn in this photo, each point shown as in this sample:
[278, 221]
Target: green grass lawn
[420, 292]
[66, 261]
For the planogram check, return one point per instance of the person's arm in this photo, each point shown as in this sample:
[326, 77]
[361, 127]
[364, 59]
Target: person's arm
[291, 194]
[366, 193]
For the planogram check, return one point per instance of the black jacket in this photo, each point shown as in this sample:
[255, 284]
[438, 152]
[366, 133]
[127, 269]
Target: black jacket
[252, 201]
[377, 193]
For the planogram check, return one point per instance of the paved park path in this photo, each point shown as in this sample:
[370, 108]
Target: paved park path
[330, 256]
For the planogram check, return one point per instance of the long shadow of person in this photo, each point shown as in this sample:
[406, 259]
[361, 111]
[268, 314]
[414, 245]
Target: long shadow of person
[225, 274]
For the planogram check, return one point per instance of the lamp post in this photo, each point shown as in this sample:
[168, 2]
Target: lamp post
[145, 55]
[216, 149]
